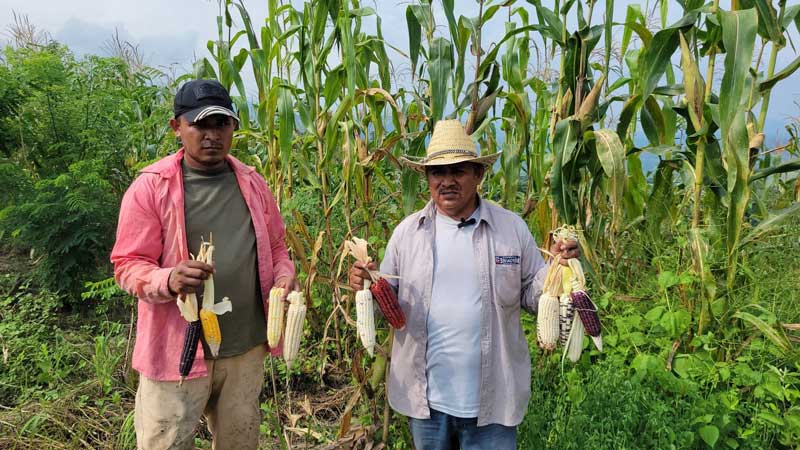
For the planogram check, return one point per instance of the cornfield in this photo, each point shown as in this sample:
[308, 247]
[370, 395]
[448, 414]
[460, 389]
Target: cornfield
[571, 95]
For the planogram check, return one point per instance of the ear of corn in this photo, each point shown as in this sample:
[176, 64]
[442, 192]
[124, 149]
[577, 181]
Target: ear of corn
[566, 311]
[588, 314]
[190, 340]
[384, 294]
[365, 318]
[211, 331]
[547, 321]
[275, 317]
[574, 346]
[548, 327]
[295, 317]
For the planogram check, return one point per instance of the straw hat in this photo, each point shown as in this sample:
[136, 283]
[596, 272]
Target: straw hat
[450, 144]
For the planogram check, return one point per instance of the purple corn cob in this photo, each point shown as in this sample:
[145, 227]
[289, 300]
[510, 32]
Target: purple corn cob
[588, 313]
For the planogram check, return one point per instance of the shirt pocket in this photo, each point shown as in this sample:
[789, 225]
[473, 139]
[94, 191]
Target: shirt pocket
[507, 285]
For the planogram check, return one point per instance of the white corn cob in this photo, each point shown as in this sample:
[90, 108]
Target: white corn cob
[547, 326]
[548, 315]
[575, 344]
[294, 326]
[275, 317]
[365, 318]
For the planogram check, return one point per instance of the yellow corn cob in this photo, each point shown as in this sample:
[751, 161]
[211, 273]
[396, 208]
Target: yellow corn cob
[575, 344]
[211, 331]
[275, 317]
[365, 318]
[294, 326]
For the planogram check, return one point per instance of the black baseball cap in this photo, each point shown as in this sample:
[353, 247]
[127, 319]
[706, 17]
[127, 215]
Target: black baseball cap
[198, 99]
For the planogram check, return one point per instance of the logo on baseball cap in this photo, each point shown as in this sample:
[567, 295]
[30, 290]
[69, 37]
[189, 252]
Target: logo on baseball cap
[198, 99]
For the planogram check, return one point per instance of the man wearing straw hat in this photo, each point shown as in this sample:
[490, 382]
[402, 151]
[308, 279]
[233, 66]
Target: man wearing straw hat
[461, 367]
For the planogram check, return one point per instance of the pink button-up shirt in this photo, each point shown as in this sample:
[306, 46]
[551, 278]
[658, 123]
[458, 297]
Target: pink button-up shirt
[151, 241]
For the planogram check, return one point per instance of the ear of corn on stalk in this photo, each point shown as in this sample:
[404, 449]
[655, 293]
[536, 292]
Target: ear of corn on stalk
[275, 316]
[295, 317]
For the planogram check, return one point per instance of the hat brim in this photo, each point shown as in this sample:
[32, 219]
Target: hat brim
[198, 114]
[418, 165]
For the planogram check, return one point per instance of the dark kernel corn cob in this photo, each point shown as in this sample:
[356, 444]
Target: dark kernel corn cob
[190, 340]
[384, 294]
[587, 312]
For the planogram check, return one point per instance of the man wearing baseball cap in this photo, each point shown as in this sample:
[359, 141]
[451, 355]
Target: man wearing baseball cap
[173, 206]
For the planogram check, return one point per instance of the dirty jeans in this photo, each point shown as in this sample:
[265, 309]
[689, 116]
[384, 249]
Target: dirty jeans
[445, 432]
[166, 415]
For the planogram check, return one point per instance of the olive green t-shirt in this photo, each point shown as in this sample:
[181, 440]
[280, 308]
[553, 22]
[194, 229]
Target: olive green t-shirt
[214, 204]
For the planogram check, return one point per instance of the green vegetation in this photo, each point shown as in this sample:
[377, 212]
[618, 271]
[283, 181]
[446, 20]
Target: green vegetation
[693, 262]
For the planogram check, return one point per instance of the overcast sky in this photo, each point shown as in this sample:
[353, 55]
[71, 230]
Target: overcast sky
[173, 33]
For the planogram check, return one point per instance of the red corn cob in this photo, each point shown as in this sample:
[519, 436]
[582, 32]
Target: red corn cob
[383, 292]
[190, 340]
[588, 313]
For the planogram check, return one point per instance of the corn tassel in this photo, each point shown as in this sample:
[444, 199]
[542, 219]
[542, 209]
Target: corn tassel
[275, 317]
[365, 318]
[295, 317]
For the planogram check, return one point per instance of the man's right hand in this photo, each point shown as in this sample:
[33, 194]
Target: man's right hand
[358, 274]
[187, 276]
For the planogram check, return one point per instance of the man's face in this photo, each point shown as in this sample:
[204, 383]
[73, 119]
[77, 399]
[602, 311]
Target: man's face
[454, 187]
[207, 141]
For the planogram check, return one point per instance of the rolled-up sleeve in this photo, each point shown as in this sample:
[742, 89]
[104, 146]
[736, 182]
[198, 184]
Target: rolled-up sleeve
[139, 245]
[282, 265]
[534, 271]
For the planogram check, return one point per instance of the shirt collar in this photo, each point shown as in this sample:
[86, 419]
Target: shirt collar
[484, 210]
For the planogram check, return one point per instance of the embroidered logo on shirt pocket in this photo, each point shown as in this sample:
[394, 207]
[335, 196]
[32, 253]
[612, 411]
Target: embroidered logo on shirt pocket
[512, 260]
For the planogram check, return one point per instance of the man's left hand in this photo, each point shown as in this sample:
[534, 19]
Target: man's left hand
[567, 250]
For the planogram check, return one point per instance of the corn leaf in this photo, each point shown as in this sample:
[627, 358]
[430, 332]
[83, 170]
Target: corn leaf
[633, 15]
[414, 38]
[783, 74]
[770, 224]
[440, 67]
[611, 154]
[768, 26]
[693, 85]
[738, 36]
[653, 122]
[766, 329]
[565, 141]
